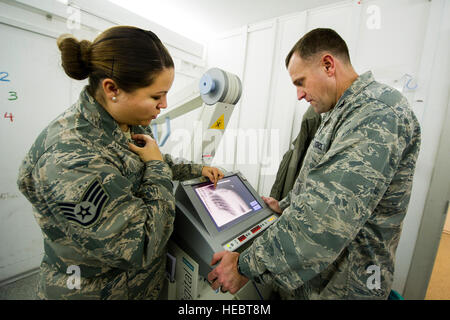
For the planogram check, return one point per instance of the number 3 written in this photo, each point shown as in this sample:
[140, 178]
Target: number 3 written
[12, 96]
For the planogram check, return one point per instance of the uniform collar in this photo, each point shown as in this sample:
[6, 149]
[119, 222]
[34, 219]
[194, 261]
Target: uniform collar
[356, 87]
[99, 117]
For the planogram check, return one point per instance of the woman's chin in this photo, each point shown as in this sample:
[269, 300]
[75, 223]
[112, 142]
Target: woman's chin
[145, 123]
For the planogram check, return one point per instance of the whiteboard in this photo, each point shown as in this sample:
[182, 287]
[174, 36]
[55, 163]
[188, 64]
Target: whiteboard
[33, 91]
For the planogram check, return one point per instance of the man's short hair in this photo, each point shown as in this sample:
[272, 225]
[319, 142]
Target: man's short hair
[319, 40]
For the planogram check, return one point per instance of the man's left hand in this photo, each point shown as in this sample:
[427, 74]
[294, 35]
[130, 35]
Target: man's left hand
[226, 276]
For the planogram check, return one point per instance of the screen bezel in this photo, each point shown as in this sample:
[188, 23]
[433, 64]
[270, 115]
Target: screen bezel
[236, 220]
[205, 216]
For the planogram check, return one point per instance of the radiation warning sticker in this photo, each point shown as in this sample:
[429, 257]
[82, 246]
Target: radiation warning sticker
[219, 123]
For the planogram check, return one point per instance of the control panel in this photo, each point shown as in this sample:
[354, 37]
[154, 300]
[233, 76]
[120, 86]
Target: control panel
[238, 241]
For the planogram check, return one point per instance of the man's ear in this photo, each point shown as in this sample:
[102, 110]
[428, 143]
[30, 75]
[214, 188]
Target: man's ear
[329, 64]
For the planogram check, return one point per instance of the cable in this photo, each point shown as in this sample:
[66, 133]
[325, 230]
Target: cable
[257, 290]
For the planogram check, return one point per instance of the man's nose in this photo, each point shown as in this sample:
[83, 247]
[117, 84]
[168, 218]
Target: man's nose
[300, 94]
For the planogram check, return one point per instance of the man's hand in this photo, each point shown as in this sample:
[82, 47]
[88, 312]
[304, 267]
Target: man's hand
[273, 204]
[226, 275]
[213, 174]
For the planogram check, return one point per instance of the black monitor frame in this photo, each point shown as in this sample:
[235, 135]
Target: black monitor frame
[237, 219]
[227, 231]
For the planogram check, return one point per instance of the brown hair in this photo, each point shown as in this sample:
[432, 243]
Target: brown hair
[132, 57]
[319, 40]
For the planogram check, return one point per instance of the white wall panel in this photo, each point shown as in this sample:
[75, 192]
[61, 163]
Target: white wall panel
[433, 91]
[284, 112]
[395, 48]
[342, 18]
[256, 90]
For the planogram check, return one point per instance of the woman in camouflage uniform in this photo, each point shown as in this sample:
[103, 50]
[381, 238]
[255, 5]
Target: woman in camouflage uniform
[101, 190]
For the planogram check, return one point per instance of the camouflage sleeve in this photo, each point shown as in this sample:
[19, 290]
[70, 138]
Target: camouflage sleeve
[183, 169]
[338, 196]
[115, 222]
[285, 202]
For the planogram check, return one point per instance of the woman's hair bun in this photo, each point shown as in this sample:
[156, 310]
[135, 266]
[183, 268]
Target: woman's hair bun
[130, 56]
[75, 56]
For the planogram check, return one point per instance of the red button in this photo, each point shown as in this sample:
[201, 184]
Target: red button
[242, 238]
[256, 229]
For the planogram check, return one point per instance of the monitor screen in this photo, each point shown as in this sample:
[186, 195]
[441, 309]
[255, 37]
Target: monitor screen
[228, 203]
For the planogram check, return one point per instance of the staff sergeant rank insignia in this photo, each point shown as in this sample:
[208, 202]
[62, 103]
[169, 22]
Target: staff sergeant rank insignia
[88, 210]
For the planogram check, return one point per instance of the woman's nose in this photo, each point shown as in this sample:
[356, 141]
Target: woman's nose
[163, 103]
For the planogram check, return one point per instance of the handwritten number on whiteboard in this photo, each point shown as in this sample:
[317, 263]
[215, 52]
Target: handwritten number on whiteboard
[3, 76]
[12, 96]
[9, 116]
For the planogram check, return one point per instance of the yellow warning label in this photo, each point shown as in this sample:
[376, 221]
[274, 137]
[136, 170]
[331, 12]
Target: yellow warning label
[219, 123]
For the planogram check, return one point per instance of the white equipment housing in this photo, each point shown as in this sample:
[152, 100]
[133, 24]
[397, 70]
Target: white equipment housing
[217, 92]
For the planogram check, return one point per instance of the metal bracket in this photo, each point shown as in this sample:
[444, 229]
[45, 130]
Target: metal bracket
[166, 136]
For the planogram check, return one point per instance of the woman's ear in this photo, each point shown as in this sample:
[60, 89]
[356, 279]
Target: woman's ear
[110, 89]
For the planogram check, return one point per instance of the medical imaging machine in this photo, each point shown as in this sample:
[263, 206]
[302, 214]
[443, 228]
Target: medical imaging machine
[211, 219]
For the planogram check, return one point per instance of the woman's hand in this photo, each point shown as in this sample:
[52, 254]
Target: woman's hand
[273, 204]
[213, 174]
[148, 151]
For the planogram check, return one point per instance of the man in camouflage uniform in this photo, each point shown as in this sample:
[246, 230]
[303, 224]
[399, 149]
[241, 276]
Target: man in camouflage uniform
[340, 225]
[100, 207]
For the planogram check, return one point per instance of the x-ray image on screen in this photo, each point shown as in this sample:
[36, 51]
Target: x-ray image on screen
[229, 201]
